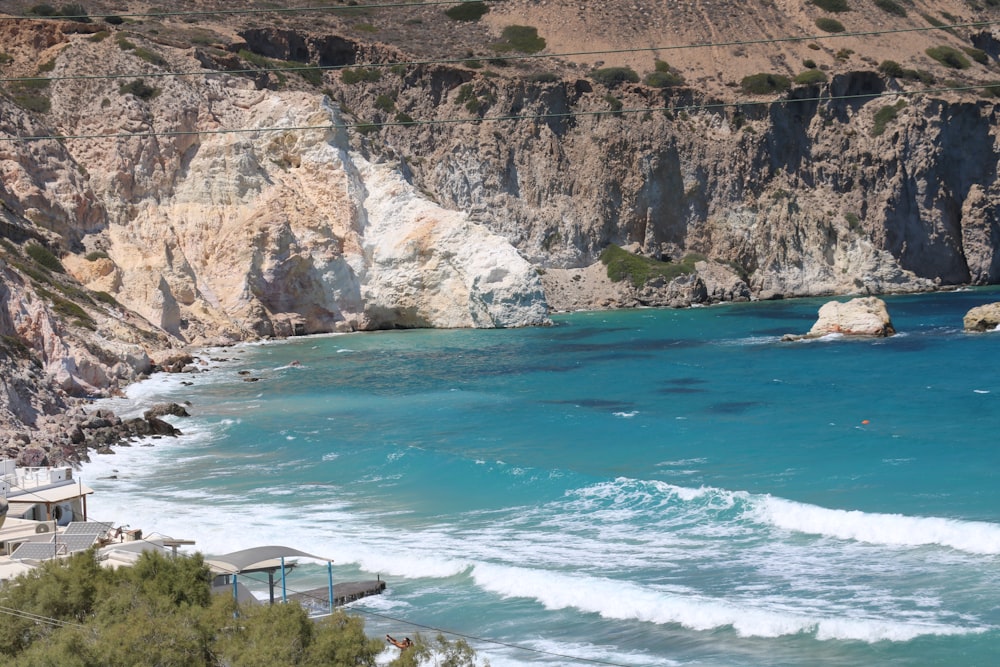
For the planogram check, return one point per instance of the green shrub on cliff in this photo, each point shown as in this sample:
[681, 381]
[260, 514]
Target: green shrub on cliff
[467, 11]
[884, 116]
[623, 265]
[614, 76]
[829, 25]
[834, 6]
[949, 56]
[520, 38]
[357, 75]
[891, 68]
[811, 77]
[765, 83]
[978, 55]
[891, 7]
[140, 89]
[663, 79]
[45, 258]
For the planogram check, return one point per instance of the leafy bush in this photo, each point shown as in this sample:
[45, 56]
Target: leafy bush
[544, 77]
[140, 89]
[937, 23]
[357, 75]
[520, 38]
[33, 102]
[385, 103]
[42, 10]
[829, 25]
[920, 75]
[467, 11]
[614, 103]
[764, 83]
[45, 258]
[811, 77]
[891, 7]
[891, 68]
[978, 55]
[884, 116]
[114, 20]
[949, 56]
[313, 75]
[623, 265]
[95, 255]
[162, 609]
[809, 63]
[149, 56]
[834, 6]
[663, 79]
[614, 76]
[74, 11]
[404, 118]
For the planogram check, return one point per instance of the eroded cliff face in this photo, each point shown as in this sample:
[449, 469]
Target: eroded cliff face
[800, 197]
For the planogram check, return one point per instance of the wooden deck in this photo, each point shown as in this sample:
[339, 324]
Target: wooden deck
[319, 598]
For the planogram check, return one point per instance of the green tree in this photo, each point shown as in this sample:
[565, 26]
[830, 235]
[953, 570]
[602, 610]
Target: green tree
[76, 613]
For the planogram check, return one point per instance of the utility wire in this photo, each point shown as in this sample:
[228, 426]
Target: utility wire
[514, 57]
[494, 119]
[40, 619]
[230, 12]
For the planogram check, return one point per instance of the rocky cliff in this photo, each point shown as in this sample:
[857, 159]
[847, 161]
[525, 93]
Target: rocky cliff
[167, 185]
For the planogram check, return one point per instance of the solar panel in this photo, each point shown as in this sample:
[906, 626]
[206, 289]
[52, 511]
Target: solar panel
[37, 551]
[87, 528]
[76, 542]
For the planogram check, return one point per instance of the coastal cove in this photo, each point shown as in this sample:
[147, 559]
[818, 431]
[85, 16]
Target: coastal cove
[641, 487]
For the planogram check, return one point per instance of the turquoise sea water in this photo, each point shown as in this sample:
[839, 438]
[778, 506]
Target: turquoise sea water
[651, 487]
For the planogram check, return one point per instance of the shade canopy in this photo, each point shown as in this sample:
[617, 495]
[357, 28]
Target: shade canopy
[255, 559]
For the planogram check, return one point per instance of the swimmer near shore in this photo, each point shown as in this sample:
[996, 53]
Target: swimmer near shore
[404, 644]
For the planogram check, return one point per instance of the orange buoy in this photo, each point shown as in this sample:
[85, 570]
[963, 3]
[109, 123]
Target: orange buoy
[864, 421]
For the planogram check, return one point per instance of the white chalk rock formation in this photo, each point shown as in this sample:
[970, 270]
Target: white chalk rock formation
[866, 316]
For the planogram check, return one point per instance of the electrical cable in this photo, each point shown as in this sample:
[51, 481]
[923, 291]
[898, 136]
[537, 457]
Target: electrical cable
[37, 618]
[513, 57]
[231, 12]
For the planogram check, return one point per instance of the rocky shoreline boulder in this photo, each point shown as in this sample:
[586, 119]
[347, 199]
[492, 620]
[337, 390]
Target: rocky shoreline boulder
[865, 316]
[983, 318]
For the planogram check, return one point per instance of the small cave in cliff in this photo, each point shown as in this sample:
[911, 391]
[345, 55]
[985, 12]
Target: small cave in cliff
[278, 44]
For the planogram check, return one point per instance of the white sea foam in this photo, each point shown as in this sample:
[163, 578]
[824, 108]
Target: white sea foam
[624, 600]
[626, 415]
[977, 537]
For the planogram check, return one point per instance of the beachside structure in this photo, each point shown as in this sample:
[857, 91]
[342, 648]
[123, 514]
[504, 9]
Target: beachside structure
[271, 560]
[43, 515]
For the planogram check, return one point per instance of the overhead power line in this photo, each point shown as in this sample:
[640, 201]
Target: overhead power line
[505, 57]
[232, 12]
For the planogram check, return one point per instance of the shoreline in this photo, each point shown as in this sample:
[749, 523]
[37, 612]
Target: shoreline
[83, 426]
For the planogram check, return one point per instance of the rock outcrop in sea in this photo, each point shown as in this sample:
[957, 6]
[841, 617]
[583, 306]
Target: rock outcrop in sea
[982, 318]
[866, 316]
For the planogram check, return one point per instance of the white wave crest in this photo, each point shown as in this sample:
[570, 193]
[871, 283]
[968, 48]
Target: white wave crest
[629, 601]
[977, 537]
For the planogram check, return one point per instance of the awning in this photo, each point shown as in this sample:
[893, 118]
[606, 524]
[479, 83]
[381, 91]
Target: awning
[257, 558]
[55, 494]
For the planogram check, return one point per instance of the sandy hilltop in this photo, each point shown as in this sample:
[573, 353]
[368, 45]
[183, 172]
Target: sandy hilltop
[214, 175]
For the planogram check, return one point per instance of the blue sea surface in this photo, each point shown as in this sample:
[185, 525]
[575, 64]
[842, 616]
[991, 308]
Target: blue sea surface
[645, 487]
